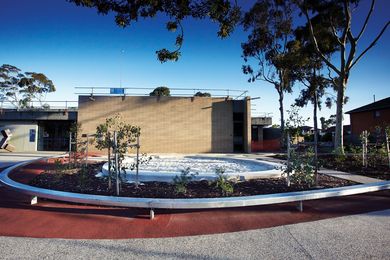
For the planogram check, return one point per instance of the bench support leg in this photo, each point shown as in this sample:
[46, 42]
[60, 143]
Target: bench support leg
[151, 214]
[34, 200]
[300, 206]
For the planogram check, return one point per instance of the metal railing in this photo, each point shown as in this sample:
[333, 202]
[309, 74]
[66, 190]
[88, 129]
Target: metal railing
[179, 92]
[41, 105]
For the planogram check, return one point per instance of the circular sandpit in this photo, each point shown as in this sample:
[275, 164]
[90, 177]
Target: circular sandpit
[164, 168]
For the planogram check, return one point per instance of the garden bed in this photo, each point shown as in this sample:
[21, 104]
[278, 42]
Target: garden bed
[79, 181]
[352, 164]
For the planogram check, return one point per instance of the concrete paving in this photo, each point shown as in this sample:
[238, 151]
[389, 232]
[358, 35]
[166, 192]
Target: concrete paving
[7, 159]
[364, 236]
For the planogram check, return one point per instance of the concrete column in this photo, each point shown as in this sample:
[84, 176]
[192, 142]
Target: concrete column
[247, 125]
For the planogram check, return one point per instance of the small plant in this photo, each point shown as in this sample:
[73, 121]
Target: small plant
[356, 153]
[83, 177]
[223, 183]
[59, 169]
[339, 158]
[302, 168]
[58, 166]
[181, 181]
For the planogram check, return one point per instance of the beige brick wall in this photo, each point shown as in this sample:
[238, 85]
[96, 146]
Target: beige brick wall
[168, 124]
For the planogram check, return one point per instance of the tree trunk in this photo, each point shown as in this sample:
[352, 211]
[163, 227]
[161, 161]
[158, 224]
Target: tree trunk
[338, 142]
[315, 136]
[109, 160]
[281, 109]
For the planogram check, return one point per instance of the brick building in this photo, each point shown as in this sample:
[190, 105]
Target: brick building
[175, 124]
[369, 116]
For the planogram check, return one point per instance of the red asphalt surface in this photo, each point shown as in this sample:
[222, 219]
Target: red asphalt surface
[51, 219]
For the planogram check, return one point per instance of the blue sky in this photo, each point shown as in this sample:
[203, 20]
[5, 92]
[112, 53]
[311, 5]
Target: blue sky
[75, 46]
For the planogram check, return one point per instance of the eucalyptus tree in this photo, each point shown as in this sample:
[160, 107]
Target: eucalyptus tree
[266, 52]
[336, 17]
[225, 13]
[21, 88]
[309, 70]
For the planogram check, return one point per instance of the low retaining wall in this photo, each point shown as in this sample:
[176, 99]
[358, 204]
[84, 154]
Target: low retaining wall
[199, 203]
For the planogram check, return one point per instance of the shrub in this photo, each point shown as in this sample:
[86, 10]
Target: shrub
[181, 181]
[59, 170]
[160, 91]
[223, 183]
[202, 94]
[83, 177]
[302, 167]
[339, 158]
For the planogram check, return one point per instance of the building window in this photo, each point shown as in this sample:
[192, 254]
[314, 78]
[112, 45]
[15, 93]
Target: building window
[377, 114]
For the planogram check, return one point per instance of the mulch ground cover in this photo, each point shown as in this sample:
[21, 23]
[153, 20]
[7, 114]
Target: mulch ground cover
[352, 164]
[78, 181]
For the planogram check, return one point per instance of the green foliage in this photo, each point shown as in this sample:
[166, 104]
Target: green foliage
[336, 18]
[126, 134]
[59, 169]
[339, 157]
[160, 91]
[202, 94]
[78, 145]
[294, 121]
[181, 181]
[326, 123]
[356, 153]
[226, 187]
[269, 23]
[22, 88]
[83, 178]
[302, 167]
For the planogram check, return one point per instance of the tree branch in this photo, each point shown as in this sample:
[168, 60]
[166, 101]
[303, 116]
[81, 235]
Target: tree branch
[371, 45]
[335, 34]
[352, 50]
[314, 40]
[366, 21]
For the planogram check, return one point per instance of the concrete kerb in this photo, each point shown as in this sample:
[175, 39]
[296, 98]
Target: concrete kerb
[200, 203]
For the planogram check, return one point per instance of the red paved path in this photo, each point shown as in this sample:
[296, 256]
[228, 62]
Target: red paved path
[51, 219]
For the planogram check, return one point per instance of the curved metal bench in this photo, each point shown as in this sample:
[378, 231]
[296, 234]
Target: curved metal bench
[199, 203]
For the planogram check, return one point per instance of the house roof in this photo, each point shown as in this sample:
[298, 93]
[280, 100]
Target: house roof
[332, 129]
[378, 105]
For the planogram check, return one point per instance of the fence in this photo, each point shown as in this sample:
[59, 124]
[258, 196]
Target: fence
[135, 91]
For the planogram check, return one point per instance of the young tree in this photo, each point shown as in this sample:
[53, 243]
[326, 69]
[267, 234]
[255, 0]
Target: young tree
[126, 134]
[315, 88]
[270, 24]
[336, 17]
[223, 12]
[21, 88]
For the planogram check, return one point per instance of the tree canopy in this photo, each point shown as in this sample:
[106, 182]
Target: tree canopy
[336, 18]
[270, 26]
[21, 88]
[225, 13]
